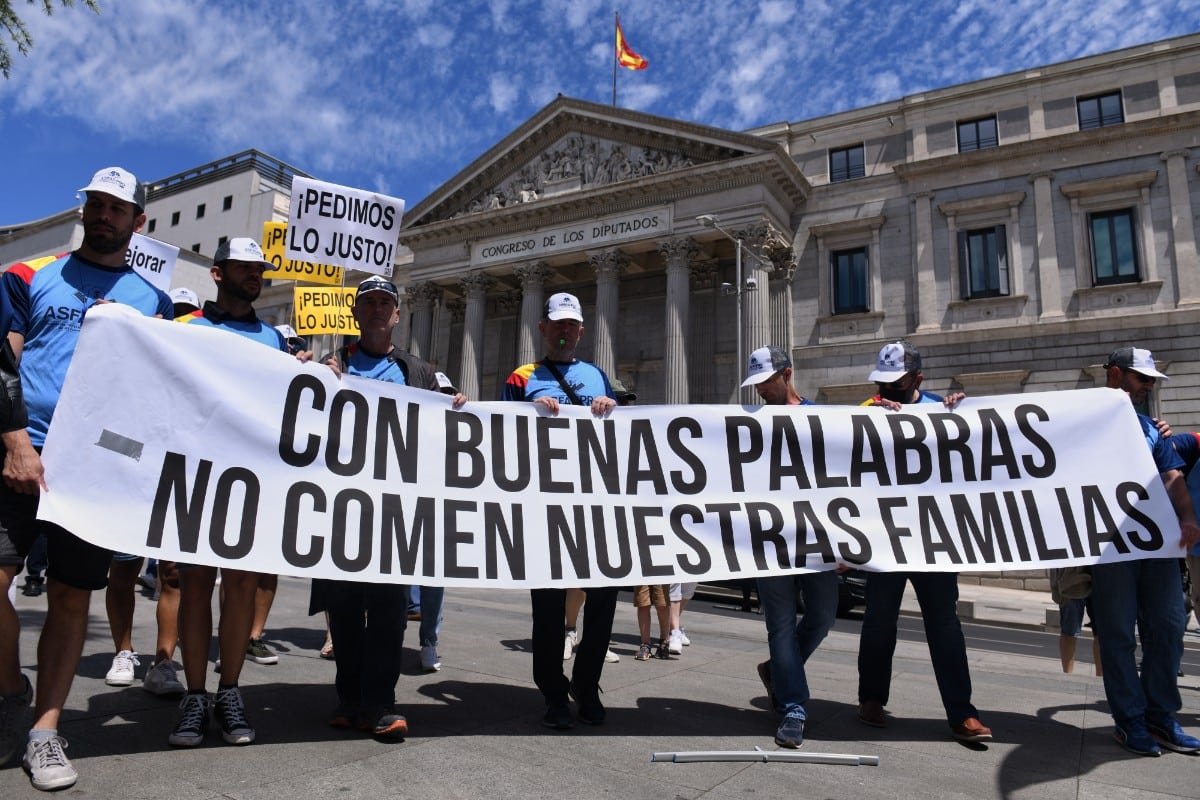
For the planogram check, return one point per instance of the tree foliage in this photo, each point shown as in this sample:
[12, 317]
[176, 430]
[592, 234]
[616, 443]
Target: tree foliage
[16, 30]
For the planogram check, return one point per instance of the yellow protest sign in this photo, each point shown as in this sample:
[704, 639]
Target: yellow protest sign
[321, 310]
[274, 249]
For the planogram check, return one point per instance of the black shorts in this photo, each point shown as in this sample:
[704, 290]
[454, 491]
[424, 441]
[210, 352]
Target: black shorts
[71, 560]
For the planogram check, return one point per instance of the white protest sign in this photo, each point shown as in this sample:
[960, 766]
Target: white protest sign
[288, 469]
[152, 259]
[351, 228]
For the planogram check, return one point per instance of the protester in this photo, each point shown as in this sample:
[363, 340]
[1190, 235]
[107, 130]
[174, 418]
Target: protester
[1144, 594]
[770, 373]
[184, 302]
[49, 298]
[367, 620]
[560, 378]
[898, 377]
[238, 269]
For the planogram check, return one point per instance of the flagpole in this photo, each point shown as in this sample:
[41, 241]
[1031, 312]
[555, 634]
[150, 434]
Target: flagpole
[616, 24]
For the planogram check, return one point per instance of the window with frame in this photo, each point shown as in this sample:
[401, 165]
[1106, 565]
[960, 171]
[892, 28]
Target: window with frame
[847, 163]
[1113, 236]
[977, 134]
[200, 211]
[151, 225]
[227, 203]
[850, 287]
[196, 247]
[983, 262]
[222, 240]
[174, 217]
[1100, 111]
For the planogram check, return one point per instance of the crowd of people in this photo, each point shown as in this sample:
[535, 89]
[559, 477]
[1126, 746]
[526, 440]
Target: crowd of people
[42, 304]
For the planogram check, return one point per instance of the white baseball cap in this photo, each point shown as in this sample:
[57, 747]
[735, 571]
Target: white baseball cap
[241, 248]
[1136, 359]
[563, 306]
[895, 361]
[185, 295]
[765, 362]
[119, 183]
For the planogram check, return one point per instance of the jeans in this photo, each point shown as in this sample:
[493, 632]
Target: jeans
[431, 614]
[367, 622]
[937, 594]
[549, 625]
[790, 643]
[1144, 594]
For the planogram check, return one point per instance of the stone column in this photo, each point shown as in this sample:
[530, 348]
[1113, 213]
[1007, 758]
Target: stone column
[756, 303]
[1183, 229]
[924, 277]
[475, 286]
[679, 255]
[422, 297]
[702, 372]
[1049, 278]
[532, 276]
[608, 265]
[402, 334]
[780, 283]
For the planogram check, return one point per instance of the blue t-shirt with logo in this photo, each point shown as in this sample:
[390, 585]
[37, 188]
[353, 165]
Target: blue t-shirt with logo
[250, 327]
[531, 381]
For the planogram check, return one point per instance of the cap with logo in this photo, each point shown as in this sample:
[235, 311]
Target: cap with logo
[241, 248]
[563, 306]
[185, 295]
[622, 394]
[445, 385]
[895, 361]
[287, 331]
[378, 284]
[765, 362]
[119, 183]
[1135, 359]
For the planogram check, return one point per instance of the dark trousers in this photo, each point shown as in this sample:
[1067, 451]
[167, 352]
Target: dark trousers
[549, 628]
[937, 594]
[367, 622]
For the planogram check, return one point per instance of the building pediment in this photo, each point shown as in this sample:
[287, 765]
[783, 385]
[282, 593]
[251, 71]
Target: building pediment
[573, 152]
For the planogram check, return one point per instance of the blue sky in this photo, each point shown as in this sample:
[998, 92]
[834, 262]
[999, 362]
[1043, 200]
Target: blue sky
[399, 95]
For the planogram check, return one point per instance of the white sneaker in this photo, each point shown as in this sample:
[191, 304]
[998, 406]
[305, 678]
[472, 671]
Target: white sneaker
[611, 657]
[429, 659]
[683, 637]
[569, 643]
[162, 679]
[121, 673]
[675, 642]
[48, 766]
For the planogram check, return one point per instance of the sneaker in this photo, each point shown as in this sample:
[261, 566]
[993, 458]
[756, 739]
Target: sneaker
[675, 642]
[162, 679]
[644, 652]
[230, 713]
[971, 730]
[591, 710]
[121, 672]
[193, 721]
[48, 766]
[610, 657]
[1136, 739]
[764, 675]
[683, 638]
[790, 732]
[388, 726]
[569, 643]
[12, 721]
[429, 658]
[870, 712]
[259, 653]
[663, 650]
[1171, 736]
[558, 716]
[343, 718]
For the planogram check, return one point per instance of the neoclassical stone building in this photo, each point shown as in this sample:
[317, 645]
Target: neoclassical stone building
[1016, 229]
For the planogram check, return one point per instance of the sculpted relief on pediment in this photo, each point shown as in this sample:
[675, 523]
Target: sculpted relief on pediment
[576, 162]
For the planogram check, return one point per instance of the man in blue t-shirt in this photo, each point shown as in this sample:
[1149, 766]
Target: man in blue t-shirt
[1145, 594]
[49, 297]
[558, 379]
[238, 269]
[790, 643]
[897, 376]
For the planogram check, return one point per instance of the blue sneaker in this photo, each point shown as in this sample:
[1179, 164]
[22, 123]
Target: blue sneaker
[790, 732]
[1136, 739]
[1171, 736]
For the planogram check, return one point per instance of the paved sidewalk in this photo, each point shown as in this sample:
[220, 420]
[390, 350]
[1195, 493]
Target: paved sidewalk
[476, 725]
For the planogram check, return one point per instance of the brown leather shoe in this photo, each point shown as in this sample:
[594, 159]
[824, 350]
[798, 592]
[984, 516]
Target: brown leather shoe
[870, 712]
[971, 730]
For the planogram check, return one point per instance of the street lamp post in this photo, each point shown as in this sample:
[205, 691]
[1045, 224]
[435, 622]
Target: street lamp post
[713, 221]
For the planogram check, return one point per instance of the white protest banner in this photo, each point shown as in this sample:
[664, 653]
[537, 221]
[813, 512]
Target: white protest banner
[351, 228]
[152, 259]
[274, 236]
[281, 467]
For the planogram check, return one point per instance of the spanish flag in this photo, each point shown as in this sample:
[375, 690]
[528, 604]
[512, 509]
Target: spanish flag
[625, 55]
